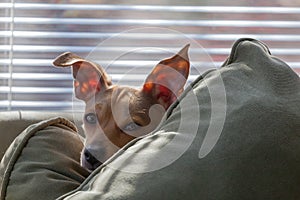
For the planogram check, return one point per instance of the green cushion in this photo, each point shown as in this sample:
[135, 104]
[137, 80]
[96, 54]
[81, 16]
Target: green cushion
[233, 135]
[42, 162]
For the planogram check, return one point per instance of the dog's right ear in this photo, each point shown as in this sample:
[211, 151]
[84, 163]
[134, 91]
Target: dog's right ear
[89, 78]
[166, 81]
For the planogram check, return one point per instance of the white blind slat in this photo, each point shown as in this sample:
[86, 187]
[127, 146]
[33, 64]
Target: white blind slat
[156, 8]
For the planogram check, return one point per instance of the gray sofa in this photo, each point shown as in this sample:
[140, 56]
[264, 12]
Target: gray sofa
[12, 123]
[233, 134]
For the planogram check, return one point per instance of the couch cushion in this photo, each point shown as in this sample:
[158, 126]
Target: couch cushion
[233, 135]
[12, 123]
[42, 162]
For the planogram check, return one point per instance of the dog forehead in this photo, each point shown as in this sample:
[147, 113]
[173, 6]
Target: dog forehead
[120, 95]
[121, 100]
[116, 99]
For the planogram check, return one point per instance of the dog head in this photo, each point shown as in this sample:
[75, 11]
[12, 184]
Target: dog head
[114, 114]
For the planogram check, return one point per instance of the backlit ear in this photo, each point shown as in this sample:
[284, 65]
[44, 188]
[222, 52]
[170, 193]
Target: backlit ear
[166, 82]
[89, 78]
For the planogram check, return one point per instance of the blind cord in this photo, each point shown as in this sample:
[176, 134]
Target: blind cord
[11, 55]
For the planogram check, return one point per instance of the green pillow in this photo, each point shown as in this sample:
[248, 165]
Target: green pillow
[42, 162]
[233, 135]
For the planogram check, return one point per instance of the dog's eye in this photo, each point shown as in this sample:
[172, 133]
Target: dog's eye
[91, 118]
[131, 126]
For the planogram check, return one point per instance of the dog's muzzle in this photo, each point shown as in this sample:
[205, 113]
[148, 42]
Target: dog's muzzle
[90, 162]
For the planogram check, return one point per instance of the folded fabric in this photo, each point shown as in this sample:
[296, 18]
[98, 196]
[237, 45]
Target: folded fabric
[42, 162]
[233, 135]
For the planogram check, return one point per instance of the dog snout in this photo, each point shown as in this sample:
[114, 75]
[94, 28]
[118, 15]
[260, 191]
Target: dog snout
[92, 162]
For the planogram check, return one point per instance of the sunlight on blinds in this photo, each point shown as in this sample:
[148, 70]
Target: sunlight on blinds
[33, 33]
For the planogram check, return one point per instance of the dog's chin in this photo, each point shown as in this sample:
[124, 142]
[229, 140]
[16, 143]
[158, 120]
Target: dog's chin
[88, 166]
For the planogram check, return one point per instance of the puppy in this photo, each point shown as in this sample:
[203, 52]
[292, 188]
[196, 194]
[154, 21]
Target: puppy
[115, 115]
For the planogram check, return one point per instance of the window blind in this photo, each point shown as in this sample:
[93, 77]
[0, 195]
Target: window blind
[127, 39]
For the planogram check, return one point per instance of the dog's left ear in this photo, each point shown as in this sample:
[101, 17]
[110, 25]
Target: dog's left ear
[89, 77]
[166, 82]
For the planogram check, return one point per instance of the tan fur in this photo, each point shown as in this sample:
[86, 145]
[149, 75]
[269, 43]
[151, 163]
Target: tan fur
[122, 113]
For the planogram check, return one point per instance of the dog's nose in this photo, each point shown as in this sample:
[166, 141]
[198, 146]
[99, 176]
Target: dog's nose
[94, 162]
